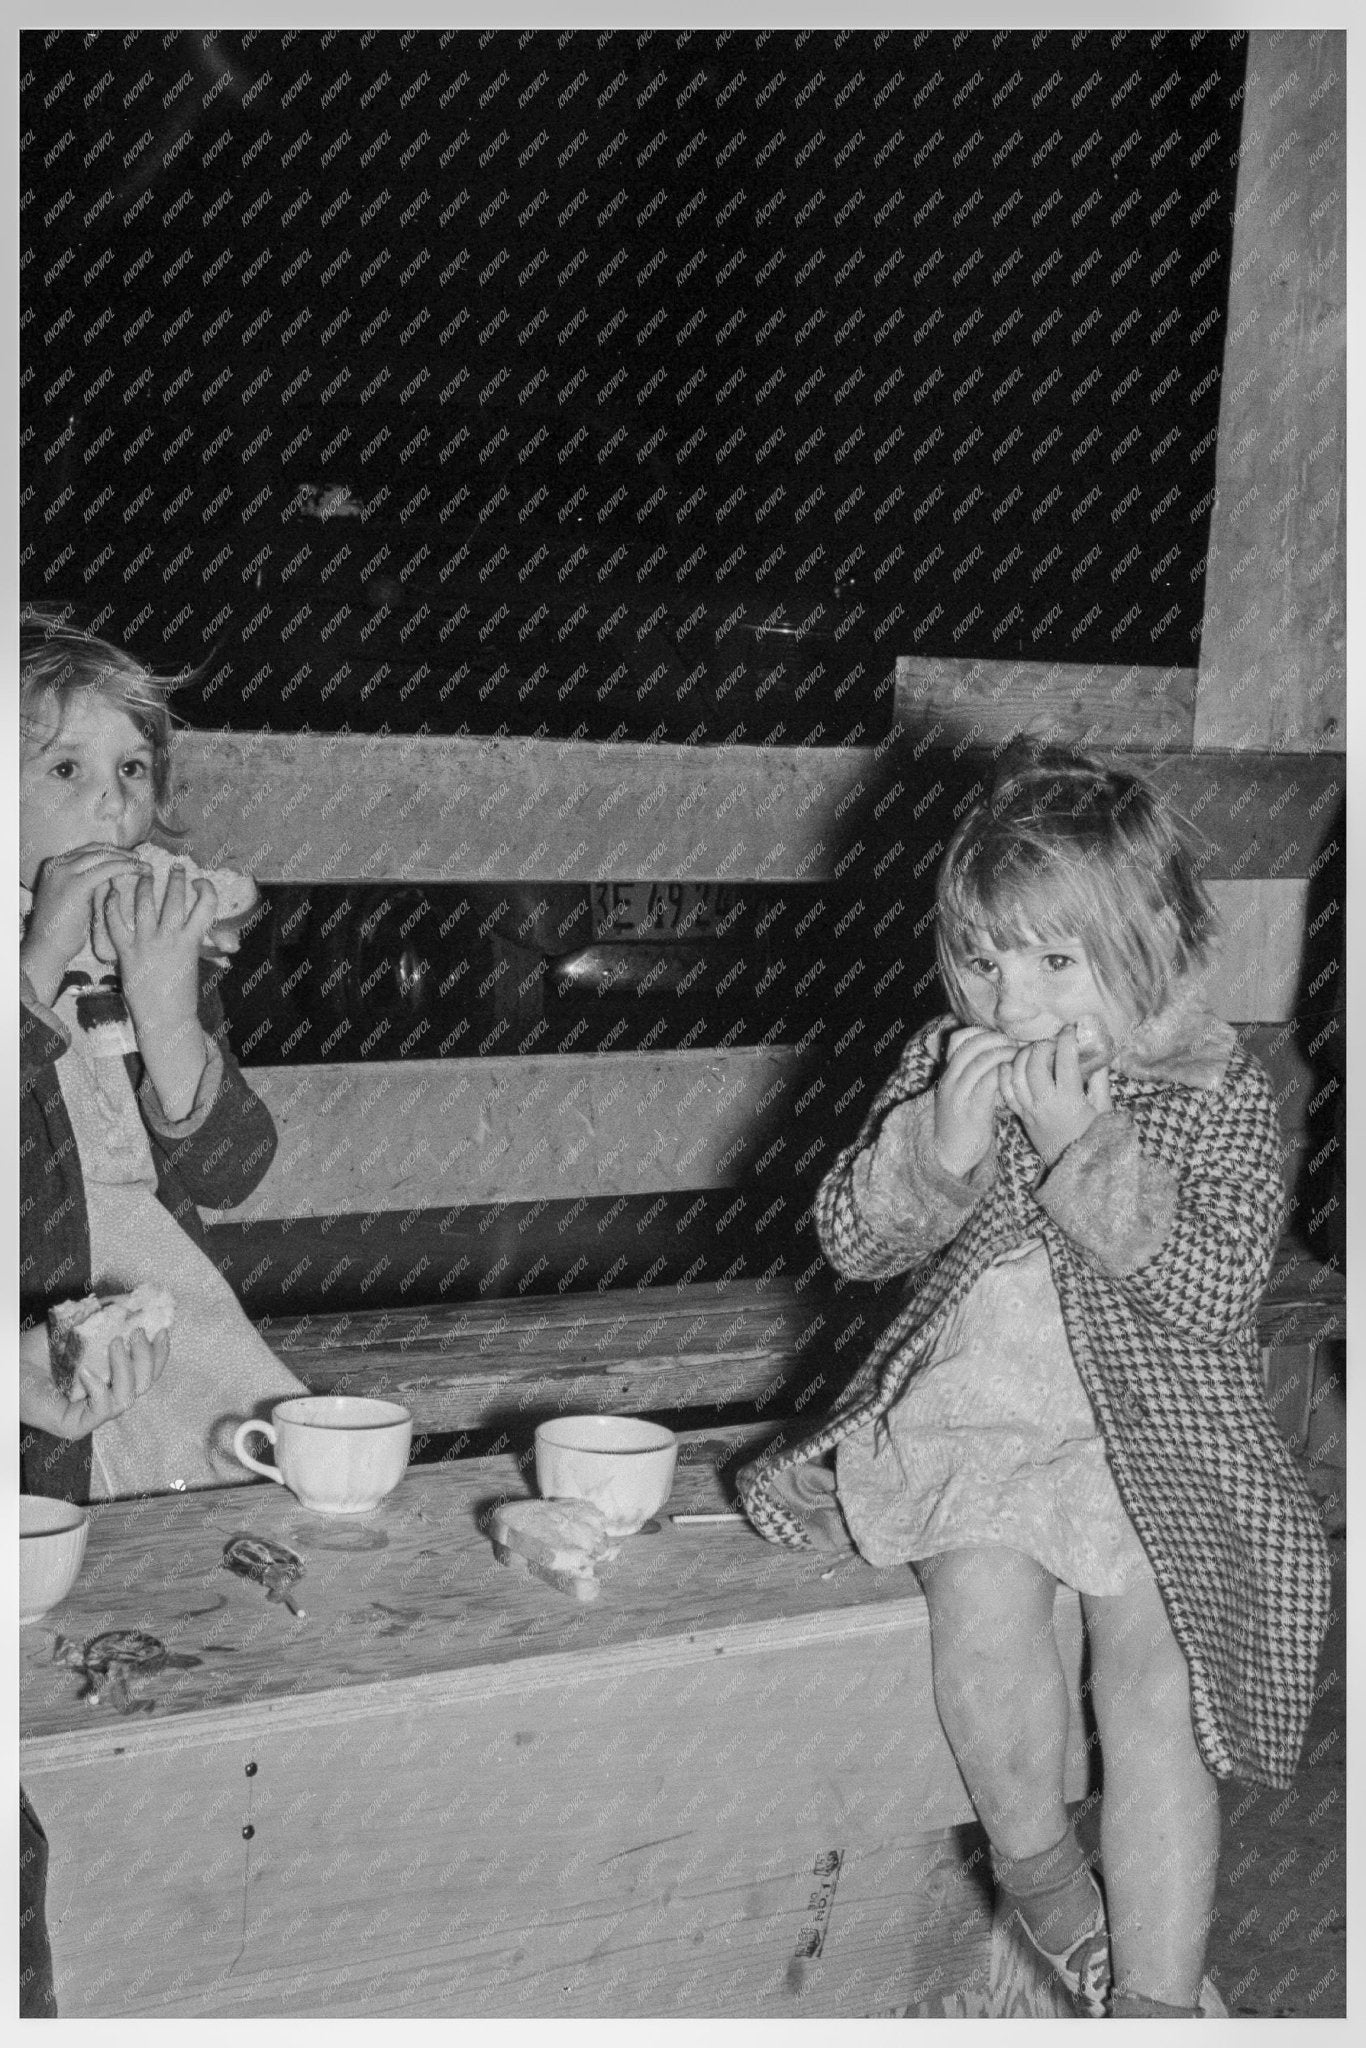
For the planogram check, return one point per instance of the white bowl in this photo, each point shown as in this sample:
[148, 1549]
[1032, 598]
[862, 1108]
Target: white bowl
[51, 1545]
[625, 1467]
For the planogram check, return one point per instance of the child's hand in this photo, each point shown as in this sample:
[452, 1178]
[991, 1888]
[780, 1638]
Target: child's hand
[158, 951]
[158, 955]
[1043, 1086]
[966, 1094]
[65, 893]
[132, 1369]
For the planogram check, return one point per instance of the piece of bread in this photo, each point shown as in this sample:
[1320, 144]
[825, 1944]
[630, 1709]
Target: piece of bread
[580, 1585]
[1095, 1047]
[558, 1533]
[80, 1332]
[237, 896]
[562, 1541]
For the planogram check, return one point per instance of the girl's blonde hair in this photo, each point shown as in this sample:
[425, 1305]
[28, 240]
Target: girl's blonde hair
[58, 660]
[1061, 847]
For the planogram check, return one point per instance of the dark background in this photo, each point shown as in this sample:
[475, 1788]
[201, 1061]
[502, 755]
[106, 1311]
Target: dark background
[861, 291]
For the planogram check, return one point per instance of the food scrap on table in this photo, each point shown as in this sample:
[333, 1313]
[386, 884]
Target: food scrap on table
[272, 1565]
[113, 1658]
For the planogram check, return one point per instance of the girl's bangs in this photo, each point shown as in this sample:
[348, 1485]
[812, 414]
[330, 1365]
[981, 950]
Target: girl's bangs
[1014, 902]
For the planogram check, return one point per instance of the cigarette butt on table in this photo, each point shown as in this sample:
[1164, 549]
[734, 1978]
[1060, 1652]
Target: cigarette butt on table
[695, 1521]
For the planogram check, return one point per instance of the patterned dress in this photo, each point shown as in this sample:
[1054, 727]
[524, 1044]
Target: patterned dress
[995, 1442]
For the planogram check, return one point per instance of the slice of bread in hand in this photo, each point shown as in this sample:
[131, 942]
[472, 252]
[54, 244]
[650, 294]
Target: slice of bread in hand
[80, 1332]
[237, 896]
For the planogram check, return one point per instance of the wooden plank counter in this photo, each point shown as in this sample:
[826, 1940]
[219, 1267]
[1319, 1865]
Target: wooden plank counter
[721, 1788]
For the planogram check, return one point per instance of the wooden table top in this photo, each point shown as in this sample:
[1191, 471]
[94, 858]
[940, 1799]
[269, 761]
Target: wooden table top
[410, 1601]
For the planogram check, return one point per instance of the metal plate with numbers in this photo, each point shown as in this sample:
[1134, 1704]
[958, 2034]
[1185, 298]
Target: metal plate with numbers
[661, 910]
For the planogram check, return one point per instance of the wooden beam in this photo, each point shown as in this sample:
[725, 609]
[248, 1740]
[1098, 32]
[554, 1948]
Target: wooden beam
[428, 1133]
[1269, 815]
[1259, 974]
[1124, 706]
[490, 1365]
[312, 808]
[338, 808]
[1265, 815]
[1272, 663]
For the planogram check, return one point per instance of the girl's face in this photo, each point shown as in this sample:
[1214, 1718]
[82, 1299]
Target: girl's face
[1032, 991]
[85, 779]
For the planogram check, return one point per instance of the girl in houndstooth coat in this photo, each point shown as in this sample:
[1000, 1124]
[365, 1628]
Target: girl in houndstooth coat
[1082, 1169]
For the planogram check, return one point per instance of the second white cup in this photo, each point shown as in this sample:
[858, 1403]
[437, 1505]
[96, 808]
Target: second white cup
[624, 1466]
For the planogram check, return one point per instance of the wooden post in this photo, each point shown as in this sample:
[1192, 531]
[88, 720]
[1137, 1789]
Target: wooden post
[1272, 671]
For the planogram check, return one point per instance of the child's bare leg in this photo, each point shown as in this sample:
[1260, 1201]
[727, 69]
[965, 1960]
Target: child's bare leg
[999, 1689]
[1160, 1814]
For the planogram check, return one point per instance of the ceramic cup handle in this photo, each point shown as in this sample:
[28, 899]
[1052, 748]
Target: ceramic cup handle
[254, 1428]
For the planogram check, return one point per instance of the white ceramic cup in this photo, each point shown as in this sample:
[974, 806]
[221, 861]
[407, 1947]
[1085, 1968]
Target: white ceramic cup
[52, 1537]
[339, 1454]
[625, 1467]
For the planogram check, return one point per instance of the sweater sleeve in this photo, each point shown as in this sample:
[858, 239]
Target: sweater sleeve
[222, 1147]
[43, 1037]
[1193, 1250]
[888, 1202]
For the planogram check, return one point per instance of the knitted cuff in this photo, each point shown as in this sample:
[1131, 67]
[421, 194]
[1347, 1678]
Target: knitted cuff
[205, 1095]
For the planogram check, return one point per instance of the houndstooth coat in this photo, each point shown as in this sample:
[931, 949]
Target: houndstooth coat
[1160, 1224]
